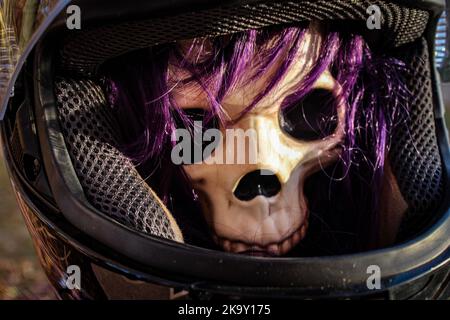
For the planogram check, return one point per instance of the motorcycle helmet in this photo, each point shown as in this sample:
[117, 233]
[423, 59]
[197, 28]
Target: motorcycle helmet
[96, 95]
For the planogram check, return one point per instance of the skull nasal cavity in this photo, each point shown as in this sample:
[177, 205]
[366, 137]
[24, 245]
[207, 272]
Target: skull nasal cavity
[257, 183]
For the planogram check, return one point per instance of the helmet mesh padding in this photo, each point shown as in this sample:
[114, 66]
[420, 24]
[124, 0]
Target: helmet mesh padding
[108, 178]
[83, 52]
[415, 154]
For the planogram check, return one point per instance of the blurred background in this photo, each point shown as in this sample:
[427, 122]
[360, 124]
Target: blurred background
[21, 276]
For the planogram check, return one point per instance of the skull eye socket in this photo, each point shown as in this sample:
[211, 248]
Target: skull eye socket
[314, 117]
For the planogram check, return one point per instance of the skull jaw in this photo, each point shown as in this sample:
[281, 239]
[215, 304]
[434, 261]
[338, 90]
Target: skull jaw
[274, 249]
[262, 226]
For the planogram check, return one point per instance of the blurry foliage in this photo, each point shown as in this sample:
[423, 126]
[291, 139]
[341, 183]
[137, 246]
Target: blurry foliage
[21, 276]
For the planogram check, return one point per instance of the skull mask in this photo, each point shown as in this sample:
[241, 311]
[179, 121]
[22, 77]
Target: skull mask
[258, 207]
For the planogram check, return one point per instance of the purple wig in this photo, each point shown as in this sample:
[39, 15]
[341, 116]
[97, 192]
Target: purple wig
[139, 89]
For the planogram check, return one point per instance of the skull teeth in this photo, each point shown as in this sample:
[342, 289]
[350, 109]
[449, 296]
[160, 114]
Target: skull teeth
[272, 249]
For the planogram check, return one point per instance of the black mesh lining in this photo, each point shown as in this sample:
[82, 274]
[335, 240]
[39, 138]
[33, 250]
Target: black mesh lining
[83, 52]
[109, 179]
[414, 153]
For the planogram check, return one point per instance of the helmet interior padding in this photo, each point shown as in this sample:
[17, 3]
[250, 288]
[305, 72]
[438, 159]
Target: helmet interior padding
[84, 52]
[113, 185]
[414, 152]
[108, 178]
